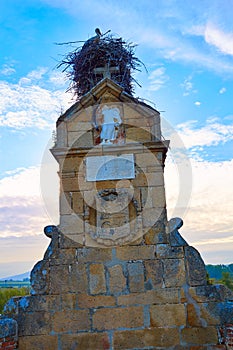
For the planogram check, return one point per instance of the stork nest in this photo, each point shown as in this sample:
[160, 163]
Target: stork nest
[98, 52]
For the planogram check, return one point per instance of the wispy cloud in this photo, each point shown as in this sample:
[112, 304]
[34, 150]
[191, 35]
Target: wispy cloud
[188, 87]
[7, 70]
[221, 40]
[21, 206]
[19, 254]
[210, 134]
[177, 33]
[157, 79]
[208, 218]
[222, 90]
[27, 104]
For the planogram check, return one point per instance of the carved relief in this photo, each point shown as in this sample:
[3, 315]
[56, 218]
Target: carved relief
[113, 217]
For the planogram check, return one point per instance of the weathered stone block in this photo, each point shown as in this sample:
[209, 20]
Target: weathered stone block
[69, 184]
[225, 312]
[199, 335]
[35, 323]
[94, 254]
[151, 216]
[146, 338]
[80, 139]
[80, 126]
[155, 235]
[199, 315]
[78, 278]
[70, 164]
[95, 301]
[8, 327]
[136, 276]
[97, 282]
[65, 242]
[174, 272]
[154, 273]
[195, 267]
[71, 224]
[210, 293]
[59, 279]
[65, 203]
[42, 303]
[140, 180]
[84, 185]
[166, 251]
[158, 195]
[40, 277]
[135, 252]
[134, 134]
[114, 318]
[61, 135]
[66, 321]
[148, 159]
[69, 301]
[11, 307]
[85, 341]
[117, 280]
[168, 315]
[78, 202]
[37, 342]
[156, 296]
[63, 257]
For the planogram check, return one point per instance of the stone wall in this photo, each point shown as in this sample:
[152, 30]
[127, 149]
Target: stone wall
[8, 334]
[140, 296]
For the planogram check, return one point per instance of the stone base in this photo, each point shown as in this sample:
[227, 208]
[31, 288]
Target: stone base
[142, 296]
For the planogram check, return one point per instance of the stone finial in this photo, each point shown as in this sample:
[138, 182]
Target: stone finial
[49, 230]
[176, 240]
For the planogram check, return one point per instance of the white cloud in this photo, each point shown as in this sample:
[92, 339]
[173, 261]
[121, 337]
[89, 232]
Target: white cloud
[197, 103]
[29, 199]
[208, 219]
[21, 206]
[21, 182]
[222, 90]
[26, 104]
[207, 216]
[7, 70]
[187, 86]
[201, 191]
[38, 73]
[166, 28]
[221, 40]
[211, 134]
[19, 254]
[58, 79]
[157, 79]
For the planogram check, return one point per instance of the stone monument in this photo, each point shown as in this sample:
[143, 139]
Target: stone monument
[117, 273]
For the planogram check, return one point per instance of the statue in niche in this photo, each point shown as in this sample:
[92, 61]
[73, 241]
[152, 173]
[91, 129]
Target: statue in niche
[111, 121]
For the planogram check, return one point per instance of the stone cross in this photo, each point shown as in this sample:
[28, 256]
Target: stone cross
[106, 70]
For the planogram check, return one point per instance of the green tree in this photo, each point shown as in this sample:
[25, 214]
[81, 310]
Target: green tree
[227, 279]
[7, 293]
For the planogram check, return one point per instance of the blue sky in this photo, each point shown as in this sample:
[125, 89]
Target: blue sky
[187, 48]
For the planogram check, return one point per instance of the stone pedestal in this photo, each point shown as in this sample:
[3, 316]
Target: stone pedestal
[118, 275]
[139, 296]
